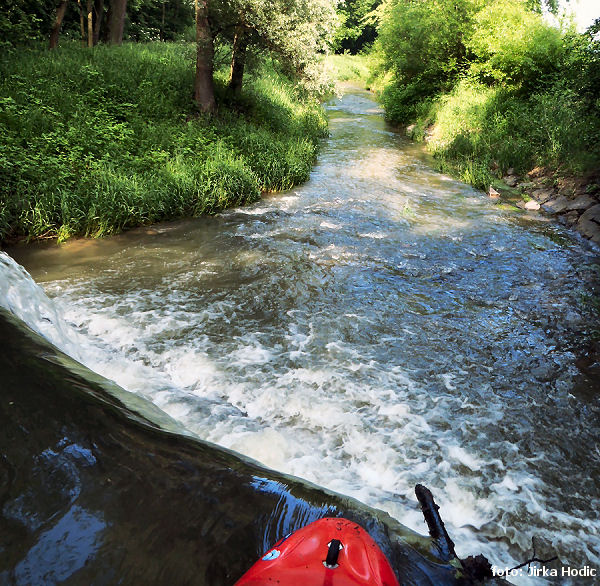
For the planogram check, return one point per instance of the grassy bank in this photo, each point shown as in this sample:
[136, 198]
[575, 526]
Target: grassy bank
[348, 67]
[492, 86]
[477, 132]
[95, 141]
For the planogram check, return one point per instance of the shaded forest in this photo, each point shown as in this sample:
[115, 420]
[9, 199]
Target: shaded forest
[99, 134]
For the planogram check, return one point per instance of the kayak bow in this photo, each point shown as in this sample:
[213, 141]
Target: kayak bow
[328, 552]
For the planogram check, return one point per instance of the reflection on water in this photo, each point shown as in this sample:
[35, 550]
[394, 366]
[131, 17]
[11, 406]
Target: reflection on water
[381, 326]
[92, 492]
[76, 534]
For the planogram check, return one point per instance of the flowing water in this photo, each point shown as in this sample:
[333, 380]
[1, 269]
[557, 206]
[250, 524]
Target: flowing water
[381, 326]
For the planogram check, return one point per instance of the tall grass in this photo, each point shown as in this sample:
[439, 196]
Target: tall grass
[481, 131]
[348, 67]
[96, 141]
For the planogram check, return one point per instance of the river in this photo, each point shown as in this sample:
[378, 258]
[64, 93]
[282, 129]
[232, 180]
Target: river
[381, 326]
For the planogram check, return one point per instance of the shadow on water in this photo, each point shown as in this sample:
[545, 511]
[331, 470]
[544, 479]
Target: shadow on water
[92, 492]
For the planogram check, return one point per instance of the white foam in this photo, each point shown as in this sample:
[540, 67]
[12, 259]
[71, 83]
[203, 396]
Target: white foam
[375, 235]
[330, 225]
[312, 376]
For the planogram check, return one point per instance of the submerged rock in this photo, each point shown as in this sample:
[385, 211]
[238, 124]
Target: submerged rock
[570, 218]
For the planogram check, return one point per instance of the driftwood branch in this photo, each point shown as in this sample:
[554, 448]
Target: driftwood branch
[436, 527]
[474, 569]
[533, 558]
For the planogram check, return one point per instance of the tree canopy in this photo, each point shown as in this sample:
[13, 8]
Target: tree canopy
[357, 29]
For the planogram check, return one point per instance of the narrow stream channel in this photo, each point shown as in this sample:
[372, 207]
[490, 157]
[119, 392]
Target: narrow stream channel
[381, 326]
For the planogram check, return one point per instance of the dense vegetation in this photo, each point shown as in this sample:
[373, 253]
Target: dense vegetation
[357, 29]
[492, 84]
[97, 136]
[95, 141]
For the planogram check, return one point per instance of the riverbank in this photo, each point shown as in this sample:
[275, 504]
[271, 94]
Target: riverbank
[542, 162]
[498, 92]
[572, 199]
[93, 142]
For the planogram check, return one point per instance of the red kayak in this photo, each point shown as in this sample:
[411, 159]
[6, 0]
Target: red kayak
[328, 552]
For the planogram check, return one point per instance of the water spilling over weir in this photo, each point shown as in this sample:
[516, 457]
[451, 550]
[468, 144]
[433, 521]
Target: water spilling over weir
[379, 327]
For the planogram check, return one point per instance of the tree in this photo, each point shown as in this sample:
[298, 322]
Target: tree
[514, 46]
[23, 21]
[298, 32]
[357, 29]
[422, 45]
[116, 25]
[238, 58]
[90, 23]
[204, 94]
[99, 16]
[60, 14]
[149, 20]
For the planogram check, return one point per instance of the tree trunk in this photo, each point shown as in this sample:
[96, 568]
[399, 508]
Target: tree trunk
[238, 60]
[204, 93]
[99, 10]
[117, 21]
[60, 14]
[81, 23]
[105, 31]
[90, 23]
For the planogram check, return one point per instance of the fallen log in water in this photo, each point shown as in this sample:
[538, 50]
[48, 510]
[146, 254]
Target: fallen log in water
[100, 487]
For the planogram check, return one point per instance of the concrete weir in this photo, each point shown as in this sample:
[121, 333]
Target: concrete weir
[93, 491]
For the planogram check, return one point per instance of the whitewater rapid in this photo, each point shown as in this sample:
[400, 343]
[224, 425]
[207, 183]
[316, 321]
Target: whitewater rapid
[379, 327]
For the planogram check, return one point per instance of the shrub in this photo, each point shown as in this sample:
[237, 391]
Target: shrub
[422, 46]
[96, 141]
[512, 45]
[524, 93]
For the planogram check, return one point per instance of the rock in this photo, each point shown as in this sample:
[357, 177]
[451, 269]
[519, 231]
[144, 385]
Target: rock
[570, 218]
[543, 372]
[557, 206]
[511, 180]
[526, 185]
[410, 129]
[583, 202]
[532, 205]
[543, 195]
[493, 193]
[511, 171]
[478, 567]
[572, 318]
[589, 223]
